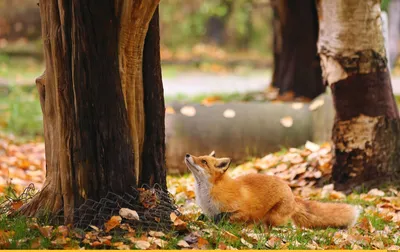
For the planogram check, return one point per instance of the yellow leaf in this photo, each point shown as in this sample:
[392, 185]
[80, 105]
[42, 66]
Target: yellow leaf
[114, 222]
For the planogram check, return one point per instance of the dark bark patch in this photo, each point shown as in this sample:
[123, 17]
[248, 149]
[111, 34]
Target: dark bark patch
[368, 94]
[153, 155]
[297, 68]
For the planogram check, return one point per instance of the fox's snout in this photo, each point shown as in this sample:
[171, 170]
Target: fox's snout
[187, 155]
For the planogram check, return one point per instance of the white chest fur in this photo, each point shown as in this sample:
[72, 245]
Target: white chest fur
[204, 200]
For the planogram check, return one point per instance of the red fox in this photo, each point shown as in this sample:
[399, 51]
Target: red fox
[260, 198]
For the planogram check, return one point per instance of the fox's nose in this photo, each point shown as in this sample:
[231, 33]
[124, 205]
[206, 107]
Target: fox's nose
[187, 155]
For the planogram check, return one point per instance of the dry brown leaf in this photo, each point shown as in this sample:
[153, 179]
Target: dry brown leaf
[169, 110]
[16, 204]
[312, 146]
[366, 225]
[211, 100]
[63, 230]
[178, 223]
[142, 244]
[246, 243]
[114, 222]
[46, 231]
[376, 192]
[183, 244]
[156, 234]
[274, 242]
[202, 243]
[229, 236]
[60, 240]
[94, 228]
[378, 244]
[159, 242]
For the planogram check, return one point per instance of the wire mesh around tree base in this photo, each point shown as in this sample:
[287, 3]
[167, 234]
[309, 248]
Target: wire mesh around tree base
[11, 204]
[152, 204]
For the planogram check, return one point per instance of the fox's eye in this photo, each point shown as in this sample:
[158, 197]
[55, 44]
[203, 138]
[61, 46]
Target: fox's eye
[204, 161]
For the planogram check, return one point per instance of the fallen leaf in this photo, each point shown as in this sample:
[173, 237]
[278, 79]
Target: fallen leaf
[114, 222]
[128, 214]
[229, 113]
[366, 225]
[169, 110]
[142, 244]
[46, 231]
[183, 244]
[188, 111]
[274, 242]
[376, 192]
[297, 105]
[94, 228]
[202, 243]
[63, 230]
[156, 234]
[316, 104]
[287, 121]
[246, 243]
[16, 204]
[312, 146]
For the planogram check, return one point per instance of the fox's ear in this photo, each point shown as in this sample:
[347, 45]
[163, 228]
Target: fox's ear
[212, 154]
[223, 164]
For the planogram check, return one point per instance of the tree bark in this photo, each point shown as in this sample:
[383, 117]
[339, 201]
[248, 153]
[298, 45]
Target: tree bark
[153, 156]
[216, 25]
[296, 67]
[394, 31]
[94, 101]
[366, 132]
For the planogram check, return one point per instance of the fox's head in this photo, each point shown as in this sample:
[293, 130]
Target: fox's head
[207, 166]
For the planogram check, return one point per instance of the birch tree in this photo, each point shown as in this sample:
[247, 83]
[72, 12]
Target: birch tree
[366, 132]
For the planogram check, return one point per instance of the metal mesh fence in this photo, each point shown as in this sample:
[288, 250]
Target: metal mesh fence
[152, 204]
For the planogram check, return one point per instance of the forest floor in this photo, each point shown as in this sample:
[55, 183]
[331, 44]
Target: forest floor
[306, 169]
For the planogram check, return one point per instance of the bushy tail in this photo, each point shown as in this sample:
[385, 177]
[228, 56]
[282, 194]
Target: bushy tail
[313, 214]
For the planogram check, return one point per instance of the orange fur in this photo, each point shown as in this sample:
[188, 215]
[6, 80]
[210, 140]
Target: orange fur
[260, 198]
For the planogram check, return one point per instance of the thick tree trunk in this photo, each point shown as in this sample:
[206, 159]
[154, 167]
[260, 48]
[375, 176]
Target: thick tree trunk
[394, 31]
[216, 25]
[153, 156]
[366, 131]
[297, 70]
[278, 21]
[93, 100]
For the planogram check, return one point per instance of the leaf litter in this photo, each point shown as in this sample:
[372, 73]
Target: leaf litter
[306, 170]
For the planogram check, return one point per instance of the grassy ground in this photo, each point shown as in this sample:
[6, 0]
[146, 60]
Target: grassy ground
[374, 230]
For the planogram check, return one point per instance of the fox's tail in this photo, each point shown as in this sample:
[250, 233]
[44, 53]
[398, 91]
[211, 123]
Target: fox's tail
[313, 214]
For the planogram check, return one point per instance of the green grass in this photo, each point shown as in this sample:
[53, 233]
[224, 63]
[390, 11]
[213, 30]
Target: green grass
[20, 70]
[21, 113]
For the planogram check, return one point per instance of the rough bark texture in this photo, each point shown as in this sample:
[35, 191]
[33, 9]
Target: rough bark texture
[92, 100]
[394, 31]
[297, 68]
[366, 131]
[153, 169]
